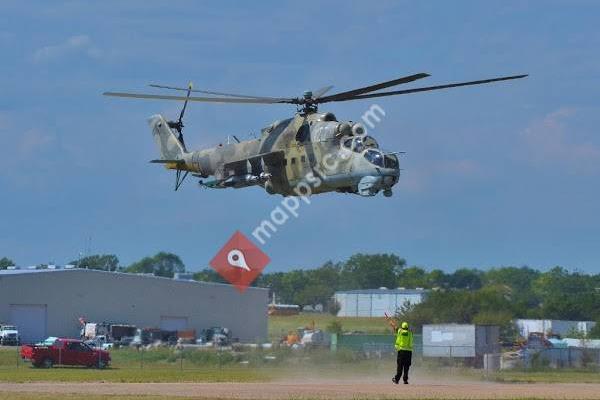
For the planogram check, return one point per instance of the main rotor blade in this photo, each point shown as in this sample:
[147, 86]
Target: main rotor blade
[424, 89]
[320, 92]
[372, 88]
[201, 99]
[243, 96]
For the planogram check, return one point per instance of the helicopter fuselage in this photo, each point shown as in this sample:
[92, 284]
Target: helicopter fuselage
[307, 154]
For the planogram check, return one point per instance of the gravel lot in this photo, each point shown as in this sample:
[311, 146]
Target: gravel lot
[320, 389]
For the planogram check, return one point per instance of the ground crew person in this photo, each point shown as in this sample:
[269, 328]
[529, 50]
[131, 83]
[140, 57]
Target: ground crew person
[404, 346]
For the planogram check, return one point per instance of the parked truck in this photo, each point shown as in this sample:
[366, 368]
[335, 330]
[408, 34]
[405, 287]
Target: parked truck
[100, 342]
[9, 335]
[111, 330]
[107, 333]
[216, 335]
[153, 336]
[65, 352]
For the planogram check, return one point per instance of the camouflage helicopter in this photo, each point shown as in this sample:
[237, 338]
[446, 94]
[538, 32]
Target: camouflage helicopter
[309, 153]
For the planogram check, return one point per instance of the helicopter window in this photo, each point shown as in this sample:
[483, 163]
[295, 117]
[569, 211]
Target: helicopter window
[391, 161]
[374, 157]
[293, 160]
[371, 142]
[303, 159]
[303, 134]
[358, 145]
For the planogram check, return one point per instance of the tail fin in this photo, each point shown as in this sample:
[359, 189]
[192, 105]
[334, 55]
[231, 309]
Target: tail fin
[169, 146]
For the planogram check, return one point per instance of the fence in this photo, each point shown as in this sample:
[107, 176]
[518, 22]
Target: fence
[569, 357]
[152, 358]
[377, 345]
[349, 349]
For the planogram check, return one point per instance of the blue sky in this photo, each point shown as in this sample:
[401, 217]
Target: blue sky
[503, 174]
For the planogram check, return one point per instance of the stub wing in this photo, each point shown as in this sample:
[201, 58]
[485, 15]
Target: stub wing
[255, 165]
[254, 170]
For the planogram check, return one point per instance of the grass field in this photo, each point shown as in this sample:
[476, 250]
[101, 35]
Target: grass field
[548, 376]
[167, 365]
[44, 396]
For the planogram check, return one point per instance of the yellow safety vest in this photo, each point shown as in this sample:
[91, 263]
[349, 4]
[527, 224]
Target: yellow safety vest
[404, 340]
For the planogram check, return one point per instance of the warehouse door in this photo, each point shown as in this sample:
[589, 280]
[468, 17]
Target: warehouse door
[168, 323]
[30, 320]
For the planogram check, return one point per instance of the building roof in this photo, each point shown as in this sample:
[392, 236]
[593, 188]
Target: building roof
[27, 271]
[383, 291]
[13, 272]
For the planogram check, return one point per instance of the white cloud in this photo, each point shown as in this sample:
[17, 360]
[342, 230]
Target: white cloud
[550, 142]
[27, 157]
[32, 142]
[79, 44]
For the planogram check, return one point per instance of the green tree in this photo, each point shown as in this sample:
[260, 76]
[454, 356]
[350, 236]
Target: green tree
[437, 278]
[313, 294]
[104, 262]
[519, 281]
[595, 331]
[208, 275]
[465, 278]
[328, 274]
[370, 271]
[413, 277]
[161, 264]
[292, 283]
[461, 306]
[6, 262]
[565, 295]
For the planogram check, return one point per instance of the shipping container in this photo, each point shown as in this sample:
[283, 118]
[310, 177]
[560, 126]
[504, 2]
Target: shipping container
[460, 340]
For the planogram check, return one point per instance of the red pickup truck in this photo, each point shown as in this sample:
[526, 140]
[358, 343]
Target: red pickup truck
[65, 352]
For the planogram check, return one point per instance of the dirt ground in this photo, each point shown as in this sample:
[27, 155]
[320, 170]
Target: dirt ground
[320, 389]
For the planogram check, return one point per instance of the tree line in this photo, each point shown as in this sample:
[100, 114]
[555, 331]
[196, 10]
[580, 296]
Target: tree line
[466, 295]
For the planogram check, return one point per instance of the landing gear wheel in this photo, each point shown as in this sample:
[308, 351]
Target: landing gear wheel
[47, 363]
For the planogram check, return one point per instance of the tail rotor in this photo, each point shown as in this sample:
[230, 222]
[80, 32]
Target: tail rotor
[178, 125]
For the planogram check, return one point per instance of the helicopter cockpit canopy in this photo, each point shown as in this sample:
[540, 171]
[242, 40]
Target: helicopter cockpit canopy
[374, 157]
[370, 142]
[369, 148]
[359, 143]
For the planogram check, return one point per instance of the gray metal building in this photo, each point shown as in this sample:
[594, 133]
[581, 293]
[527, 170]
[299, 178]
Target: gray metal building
[376, 302]
[460, 340]
[46, 303]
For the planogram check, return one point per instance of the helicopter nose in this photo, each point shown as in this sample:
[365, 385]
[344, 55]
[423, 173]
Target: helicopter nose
[389, 181]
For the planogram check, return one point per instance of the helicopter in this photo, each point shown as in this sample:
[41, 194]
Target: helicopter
[309, 153]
